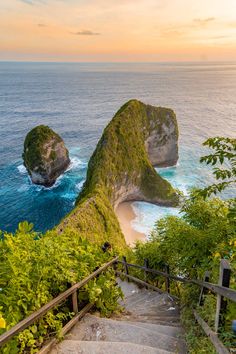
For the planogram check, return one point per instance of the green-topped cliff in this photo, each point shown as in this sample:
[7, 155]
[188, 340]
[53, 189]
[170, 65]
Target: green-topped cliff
[121, 169]
[45, 155]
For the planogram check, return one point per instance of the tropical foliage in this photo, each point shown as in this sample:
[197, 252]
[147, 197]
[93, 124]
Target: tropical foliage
[35, 268]
[196, 241]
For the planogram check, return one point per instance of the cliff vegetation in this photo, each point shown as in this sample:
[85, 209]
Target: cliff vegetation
[45, 155]
[120, 169]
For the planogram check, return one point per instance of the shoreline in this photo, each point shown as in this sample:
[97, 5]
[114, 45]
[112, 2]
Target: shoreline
[125, 215]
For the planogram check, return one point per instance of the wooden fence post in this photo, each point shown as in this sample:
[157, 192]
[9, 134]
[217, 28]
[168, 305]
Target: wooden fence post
[75, 302]
[146, 265]
[224, 280]
[206, 278]
[167, 280]
[126, 269]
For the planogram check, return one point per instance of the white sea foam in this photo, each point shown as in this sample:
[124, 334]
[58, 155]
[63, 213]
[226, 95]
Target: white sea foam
[22, 169]
[80, 184]
[39, 188]
[76, 163]
[147, 215]
[159, 169]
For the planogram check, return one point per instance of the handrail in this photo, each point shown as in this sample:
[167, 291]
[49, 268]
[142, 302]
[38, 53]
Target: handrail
[220, 290]
[143, 283]
[219, 346]
[5, 337]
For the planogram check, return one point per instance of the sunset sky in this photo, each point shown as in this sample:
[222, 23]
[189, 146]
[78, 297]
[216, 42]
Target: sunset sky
[118, 30]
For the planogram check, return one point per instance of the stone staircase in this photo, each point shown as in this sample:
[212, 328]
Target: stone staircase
[150, 324]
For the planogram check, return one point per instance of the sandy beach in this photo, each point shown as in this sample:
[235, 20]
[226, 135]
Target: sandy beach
[125, 215]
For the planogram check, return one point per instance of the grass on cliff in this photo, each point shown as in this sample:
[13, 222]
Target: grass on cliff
[34, 146]
[94, 218]
[121, 154]
[120, 158]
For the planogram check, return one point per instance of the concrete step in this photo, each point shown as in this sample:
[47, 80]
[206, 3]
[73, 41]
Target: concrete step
[87, 347]
[138, 298]
[170, 321]
[153, 297]
[153, 311]
[128, 288]
[149, 324]
[173, 331]
[93, 328]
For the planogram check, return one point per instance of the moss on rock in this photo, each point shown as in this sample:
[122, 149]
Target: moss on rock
[45, 155]
[120, 169]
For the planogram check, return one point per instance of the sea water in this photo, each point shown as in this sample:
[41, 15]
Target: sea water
[77, 100]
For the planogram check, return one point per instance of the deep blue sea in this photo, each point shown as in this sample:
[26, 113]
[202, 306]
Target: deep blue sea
[77, 100]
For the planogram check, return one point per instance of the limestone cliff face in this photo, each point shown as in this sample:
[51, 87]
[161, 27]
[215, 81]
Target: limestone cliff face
[121, 168]
[138, 137]
[162, 142]
[45, 155]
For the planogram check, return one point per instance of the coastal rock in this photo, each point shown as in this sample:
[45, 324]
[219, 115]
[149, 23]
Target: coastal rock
[45, 155]
[138, 138]
[121, 168]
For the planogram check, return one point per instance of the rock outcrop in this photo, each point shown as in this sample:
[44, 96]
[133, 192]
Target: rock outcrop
[138, 137]
[121, 169]
[45, 155]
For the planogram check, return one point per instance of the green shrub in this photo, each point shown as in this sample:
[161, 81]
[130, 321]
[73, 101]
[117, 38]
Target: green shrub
[35, 268]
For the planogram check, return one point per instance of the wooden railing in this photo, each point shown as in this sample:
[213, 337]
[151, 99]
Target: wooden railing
[221, 289]
[72, 291]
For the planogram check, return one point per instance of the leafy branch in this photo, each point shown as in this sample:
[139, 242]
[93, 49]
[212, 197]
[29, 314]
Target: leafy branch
[224, 154]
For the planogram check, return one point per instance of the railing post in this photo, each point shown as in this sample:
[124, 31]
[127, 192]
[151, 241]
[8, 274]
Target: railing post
[167, 279]
[146, 265]
[75, 302]
[206, 278]
[126, 269]
[224, 280]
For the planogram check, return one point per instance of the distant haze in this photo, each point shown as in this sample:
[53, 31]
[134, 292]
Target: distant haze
[118, 30]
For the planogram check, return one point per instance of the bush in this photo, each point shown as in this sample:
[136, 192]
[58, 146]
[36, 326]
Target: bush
[35, 268]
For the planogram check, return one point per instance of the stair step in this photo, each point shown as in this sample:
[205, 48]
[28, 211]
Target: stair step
[163, 299]
[164, 321]
[128, 288]
[87, 347]
[139, 298]
[149, 324]
[172, 331]
[92, 328]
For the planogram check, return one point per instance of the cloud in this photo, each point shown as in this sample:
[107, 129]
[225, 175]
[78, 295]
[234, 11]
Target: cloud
[33, 2]
[204, 21]
[41, 25]
[86, 33]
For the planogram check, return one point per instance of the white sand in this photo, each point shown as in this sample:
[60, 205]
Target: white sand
[125, 215]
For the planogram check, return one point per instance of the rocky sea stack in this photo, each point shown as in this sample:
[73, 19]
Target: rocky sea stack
[45, 155]
[121, 169]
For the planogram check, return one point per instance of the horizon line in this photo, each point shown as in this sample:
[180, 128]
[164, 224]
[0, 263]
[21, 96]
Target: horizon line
[118, 62]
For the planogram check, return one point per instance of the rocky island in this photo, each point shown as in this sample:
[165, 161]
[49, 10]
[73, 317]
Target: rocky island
[121, 168]
[45, 155]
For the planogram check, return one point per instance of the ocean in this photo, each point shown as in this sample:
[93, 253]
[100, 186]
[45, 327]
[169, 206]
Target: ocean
[77, 100]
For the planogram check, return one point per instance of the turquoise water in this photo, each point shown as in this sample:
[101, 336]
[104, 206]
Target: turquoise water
[78, 100]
